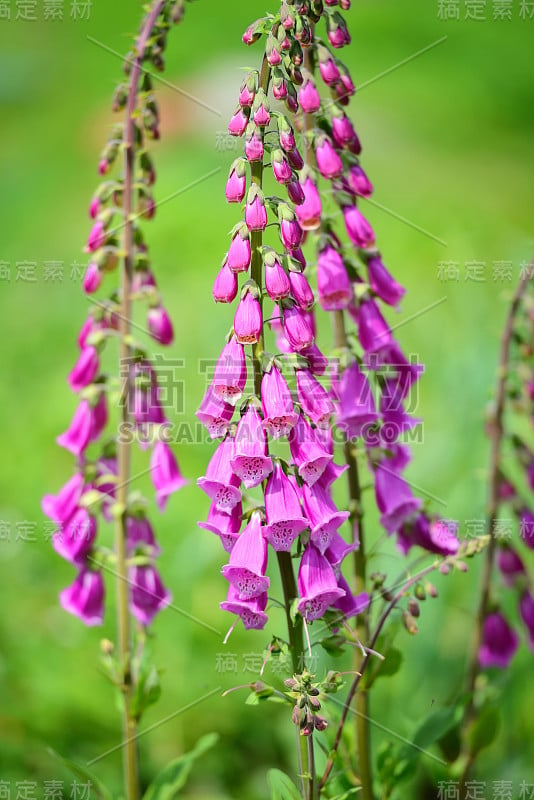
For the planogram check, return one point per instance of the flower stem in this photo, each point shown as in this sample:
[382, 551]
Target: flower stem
[130, 754]
[496, 433]
[361, 700]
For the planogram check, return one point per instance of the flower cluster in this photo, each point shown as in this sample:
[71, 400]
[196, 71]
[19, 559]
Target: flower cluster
[515, 485]
[304, 135]
[116, 209]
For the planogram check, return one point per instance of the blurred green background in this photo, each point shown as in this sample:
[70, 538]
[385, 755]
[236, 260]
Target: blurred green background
[448, 143]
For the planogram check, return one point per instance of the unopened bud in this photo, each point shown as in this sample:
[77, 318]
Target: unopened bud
[409, 623]
[413, 608]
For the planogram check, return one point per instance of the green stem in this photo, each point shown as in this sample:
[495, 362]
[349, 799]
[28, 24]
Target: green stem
[294, 626]
[496, 436]
[130, 752]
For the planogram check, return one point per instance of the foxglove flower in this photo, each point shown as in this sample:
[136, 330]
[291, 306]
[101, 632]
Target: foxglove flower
[338, 549]
[297, 329]
[248, 320]
[313, 398]
[250, 461]
[309, 99]
[394, 498]
[85, 597]
[97, 237]
[310, 456]
[329, 163]
[75, 538]
[220, 483]
[277, 283]
[215, 414]
[279, 415]
[510, 565]
[225, 526]
[373, 330]
[358, 228]
[356, 408]
[301, 290]
[255, 211]
[60, 508]
[78, 436]
[333, 283]
[281, 167]
[230, 373]
[237, 182]
[165, 473]
[160, 325]
[225, 285]
[317, 585]
[85, 369]
[436, 536]
[251, 611]
[359, 182]
[526, 527]
[239, 253]
[248, 561]
[328, 67]
[322, 514]
[238, 123]
[290, 231]
[139, 533]
[499, 642]
[309, 212]
[253, 145]
[350, 605]
[343, 133]
[285, 520]
[148, 594]
[93, 278]
[383, 284]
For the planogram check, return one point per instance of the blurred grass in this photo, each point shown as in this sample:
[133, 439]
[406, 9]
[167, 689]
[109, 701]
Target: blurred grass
[447, 141]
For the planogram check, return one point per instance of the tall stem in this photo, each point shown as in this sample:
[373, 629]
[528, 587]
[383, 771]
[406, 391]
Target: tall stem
[130, 753]
[294, 626]
[361, 700]
[496, 433]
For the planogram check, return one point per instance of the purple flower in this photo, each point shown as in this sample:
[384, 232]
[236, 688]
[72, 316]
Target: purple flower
[260, 110]
[147, 594]
[281, 167]
[59, 508]
[309, 99]
[358, 228]
[86, 426]
[394, 498]
[239, 253]
[526, 527]
[253, 146]
[313, 398]
[297, 329]
[248, 91]
[295, 193]
[309, 212]
[356, 410]
[93, 278]
[237, 182]
[301, 290]
[285, 520]
[225, 526]
[165, 473]
[499, 642]
[238, 123]
[248, 561]
[510, 565]
[333, 284]
[324, 517]
[344, 135]
[220, 483]
[85, 369]
[160, 326]
[75, 538]
[250, 461]
[435, 535]
[383, 284]
[290, 231]
[97, 237]
[277, 283]
[350, 605]
[317, 361]
[139, 532]
[255, 211]
[279, 416]
[338, 549]
[295, 159]
[146, 408]
[396, 420]
[251, 611]
[317, 585]
[373, 331]
[526, 609]
[85, 597]
[337, 32]
[329, 163]
[230, 373]
[359, 182]
[309, 454]
[248, 320]
[215, 414]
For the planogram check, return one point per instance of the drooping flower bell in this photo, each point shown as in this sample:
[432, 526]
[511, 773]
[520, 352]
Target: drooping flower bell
[356, 408]
[324, 517]
[309, 454]
[317, 585]
[220, 483]
[225, 526]
[248, 319]
[165, 473]
[85, 597]
[279, 415]
[313, 398]
[382, 283]
[215, 414]
[160, 325]
[148, 595]
[333, 283]
[75, 538]
[499, 642]
[59, 508]
[285, 520]
[248, 561]
[309, 212]
[230, 376]
[394, 498]
[250, 461]
[251, 611]
[358, 228]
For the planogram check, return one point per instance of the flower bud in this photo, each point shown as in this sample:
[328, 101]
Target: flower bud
[238, 123]
[248, 90]
[329, 163]
[248, 321]
[239, 253]
[160, 326]
[237, 182]
[92, 279]
[253, 144]
[255, 211]
[309, 99]
[225, 285]
[281, 168]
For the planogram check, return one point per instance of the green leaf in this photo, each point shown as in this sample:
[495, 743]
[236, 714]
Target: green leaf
[282, 787]
[436, 726]
[174, 776]
[348, 793]
[389, 666]
[484, 729]
[86, 776]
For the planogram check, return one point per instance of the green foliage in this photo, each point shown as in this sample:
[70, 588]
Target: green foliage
[174, 776]
[78, 771]
[282, 787]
